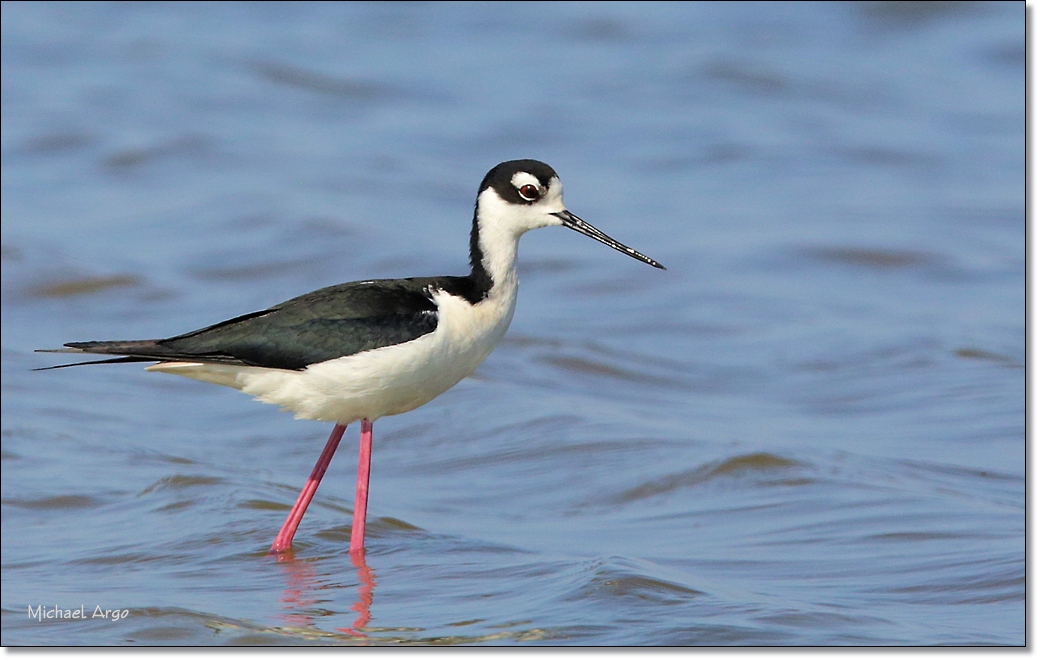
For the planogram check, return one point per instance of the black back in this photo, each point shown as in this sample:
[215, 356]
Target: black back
[328, 323]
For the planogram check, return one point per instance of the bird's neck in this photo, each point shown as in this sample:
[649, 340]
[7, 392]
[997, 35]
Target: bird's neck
[493, 251]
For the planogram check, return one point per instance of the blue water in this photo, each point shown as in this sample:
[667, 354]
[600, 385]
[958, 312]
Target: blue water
[808, 430]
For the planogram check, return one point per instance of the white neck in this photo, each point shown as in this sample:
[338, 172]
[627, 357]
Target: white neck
[500, 246]
[500, 225]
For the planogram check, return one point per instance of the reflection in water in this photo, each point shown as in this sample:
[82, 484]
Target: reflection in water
[302, 583]
[298, 596]
[365, 595]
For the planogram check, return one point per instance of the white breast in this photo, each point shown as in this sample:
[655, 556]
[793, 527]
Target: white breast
[381, 382]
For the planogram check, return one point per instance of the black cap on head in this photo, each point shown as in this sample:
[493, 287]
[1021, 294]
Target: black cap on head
[500, 177]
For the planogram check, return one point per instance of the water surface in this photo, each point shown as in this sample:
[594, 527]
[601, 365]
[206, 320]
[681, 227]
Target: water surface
[808, 430]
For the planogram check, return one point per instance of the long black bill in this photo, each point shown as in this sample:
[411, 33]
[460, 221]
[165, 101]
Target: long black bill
[580, 226]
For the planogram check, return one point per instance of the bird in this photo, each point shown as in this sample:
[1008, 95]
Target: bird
[363, 350]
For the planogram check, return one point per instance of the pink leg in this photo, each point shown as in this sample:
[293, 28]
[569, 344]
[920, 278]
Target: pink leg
[283, 541]
[360, 503]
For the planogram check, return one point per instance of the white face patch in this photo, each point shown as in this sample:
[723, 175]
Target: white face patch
[550, 195]
[523, 178]
[553, 196]
[527, 186]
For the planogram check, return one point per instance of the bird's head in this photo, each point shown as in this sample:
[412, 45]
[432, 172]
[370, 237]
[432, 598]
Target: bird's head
[519, 195]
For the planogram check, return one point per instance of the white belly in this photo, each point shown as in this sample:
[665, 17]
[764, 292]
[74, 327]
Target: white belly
[380, 382]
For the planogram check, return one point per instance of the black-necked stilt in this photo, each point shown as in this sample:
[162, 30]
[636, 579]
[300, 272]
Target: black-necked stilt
[368, 349]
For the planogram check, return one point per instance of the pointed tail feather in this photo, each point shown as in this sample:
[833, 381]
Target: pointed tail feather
[137, 348]
[137, 351]
[116, 360]
[131, 351]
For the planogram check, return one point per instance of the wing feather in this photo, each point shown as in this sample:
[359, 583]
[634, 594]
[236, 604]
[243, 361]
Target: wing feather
[326, 324]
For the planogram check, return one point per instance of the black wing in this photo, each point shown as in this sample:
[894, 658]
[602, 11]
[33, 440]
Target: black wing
[326, 324]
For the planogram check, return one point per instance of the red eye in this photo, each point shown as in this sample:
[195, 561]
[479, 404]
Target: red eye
[529, 192]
